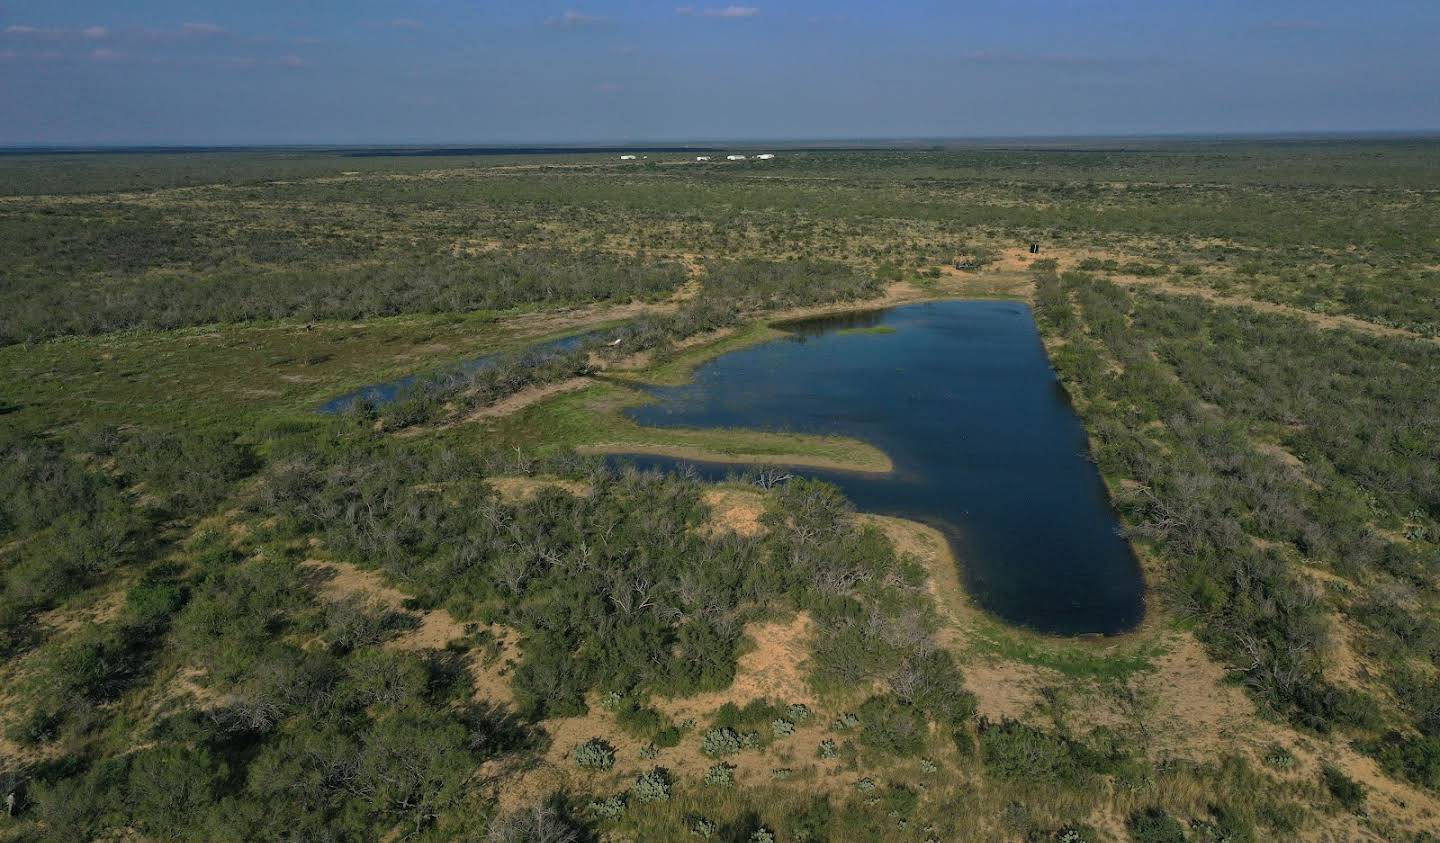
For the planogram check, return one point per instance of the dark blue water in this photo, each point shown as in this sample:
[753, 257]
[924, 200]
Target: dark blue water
[985, 444]
[384, 393]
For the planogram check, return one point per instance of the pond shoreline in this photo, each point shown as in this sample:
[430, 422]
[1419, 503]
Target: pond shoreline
[963, 398]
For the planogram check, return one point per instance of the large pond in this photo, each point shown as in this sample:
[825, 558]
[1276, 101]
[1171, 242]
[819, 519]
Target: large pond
[985, 443]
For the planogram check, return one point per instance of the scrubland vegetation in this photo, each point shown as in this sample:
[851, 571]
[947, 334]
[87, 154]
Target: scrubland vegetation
[227, 617]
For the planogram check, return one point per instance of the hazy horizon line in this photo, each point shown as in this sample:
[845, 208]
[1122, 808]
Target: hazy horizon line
[680, 144]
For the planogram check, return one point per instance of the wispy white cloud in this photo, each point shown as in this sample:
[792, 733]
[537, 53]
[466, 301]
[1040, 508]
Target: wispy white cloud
[292, 62]
[25, 30]
[202, 28]
[1064, 59]
[719, 12]
[97, 32]
[572, 18]
[1291, 26]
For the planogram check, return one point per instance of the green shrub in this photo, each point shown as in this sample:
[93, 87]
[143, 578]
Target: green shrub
[609, 808]
[1348, 792]
[701, 827]
[653, 786]
[595, 754]
[1016, 752]
[42, 724]
[892, 726]
[1224, 825]
[901, 801]
[720, 774]
[718, 743]
[1414, 758]
[1279, 757]
[1154, 825]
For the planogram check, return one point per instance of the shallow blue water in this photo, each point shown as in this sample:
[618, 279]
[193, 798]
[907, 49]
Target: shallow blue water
[384, 393]
[985, 444]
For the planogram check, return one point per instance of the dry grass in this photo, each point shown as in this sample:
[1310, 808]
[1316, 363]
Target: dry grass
[520, 489]
[734, 511]
[1184, 707]
[528, 397]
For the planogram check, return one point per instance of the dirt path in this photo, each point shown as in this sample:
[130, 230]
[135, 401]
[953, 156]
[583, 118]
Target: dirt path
[528, 397]
[1321, 320]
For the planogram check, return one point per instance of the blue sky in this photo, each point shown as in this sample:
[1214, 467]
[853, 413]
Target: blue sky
[470, 71]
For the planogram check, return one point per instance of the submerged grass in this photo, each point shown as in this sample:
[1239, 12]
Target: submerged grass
[591, 420]
[1086, 658]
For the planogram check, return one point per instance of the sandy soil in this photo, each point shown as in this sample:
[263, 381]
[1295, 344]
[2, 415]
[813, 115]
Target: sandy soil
[1186, 706]
[528, 397]
[437, 628]
[513, 489]
[735, 511]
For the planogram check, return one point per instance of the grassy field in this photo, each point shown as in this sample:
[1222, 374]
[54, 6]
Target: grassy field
[228, 617]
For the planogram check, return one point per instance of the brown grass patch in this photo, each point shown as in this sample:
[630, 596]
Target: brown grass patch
[527, 397]
[520, 489]
[772, 668]
[436, 630]
[104, 608]
[734, 511]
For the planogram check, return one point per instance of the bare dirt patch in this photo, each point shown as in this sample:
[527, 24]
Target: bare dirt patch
[1321, 320]
[519, 489]
[436, 628]
[528, 397]
[734, 511]
[772, 668]
[928, 546]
